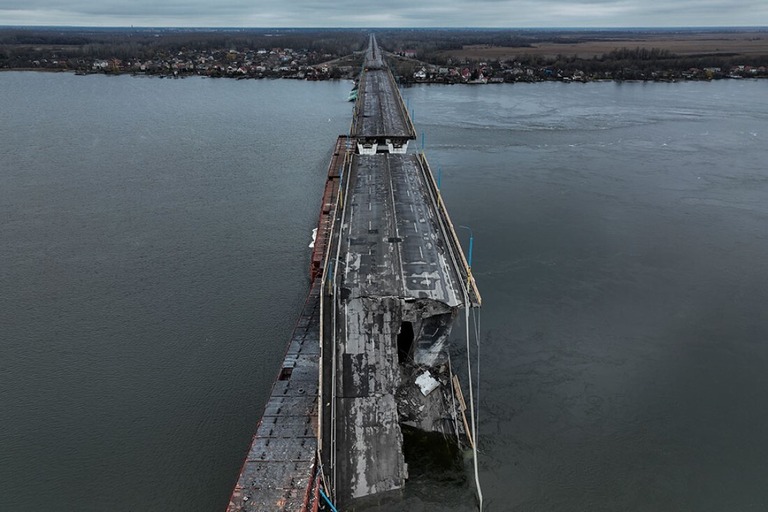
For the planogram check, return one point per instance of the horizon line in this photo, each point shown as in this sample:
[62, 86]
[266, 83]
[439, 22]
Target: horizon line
[569, 28]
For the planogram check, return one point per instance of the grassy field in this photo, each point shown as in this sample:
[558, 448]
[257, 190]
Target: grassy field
[685, 44]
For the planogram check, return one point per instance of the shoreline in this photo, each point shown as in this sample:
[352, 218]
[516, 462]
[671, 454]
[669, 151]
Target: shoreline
[402, 83]
[429, 56]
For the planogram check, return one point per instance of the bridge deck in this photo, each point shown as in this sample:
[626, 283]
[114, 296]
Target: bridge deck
[392, 240]
[373, 58]
[396, 270]
[379, 112]
[278, 472]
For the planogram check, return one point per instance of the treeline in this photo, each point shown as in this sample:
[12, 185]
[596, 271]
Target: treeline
[433, 40]
[431, 44]
[633, 61]
[639, 54]
[427, 40]
[21, 44]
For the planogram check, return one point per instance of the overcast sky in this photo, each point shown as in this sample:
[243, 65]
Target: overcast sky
[398, 13]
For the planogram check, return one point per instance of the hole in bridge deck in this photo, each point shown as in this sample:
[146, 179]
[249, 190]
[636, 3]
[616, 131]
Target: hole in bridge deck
[404, 342]
[432, 456]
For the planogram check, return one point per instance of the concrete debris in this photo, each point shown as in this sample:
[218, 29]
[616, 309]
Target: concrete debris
[426, 383]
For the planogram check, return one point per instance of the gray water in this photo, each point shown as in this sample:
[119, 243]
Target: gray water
[153, 261]
[621, 246]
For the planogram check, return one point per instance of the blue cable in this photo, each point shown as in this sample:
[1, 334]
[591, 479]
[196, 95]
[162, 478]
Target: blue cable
[327, 500]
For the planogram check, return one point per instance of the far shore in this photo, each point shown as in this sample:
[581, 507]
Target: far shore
[428, 56]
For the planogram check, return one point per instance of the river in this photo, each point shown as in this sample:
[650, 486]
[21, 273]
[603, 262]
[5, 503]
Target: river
[154, 257]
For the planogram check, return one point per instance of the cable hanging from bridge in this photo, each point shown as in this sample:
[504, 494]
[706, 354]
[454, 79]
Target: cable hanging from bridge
[472, 404]
[476, 320]
[473, 407]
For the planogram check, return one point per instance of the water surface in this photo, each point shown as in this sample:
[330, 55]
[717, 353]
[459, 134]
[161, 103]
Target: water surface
[620, 246]
[154, 259]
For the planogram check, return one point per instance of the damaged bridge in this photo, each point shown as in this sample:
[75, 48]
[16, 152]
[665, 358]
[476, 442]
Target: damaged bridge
[394, 281]
[368, 353]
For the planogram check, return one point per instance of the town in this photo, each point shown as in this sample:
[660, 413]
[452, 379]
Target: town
[338, 54]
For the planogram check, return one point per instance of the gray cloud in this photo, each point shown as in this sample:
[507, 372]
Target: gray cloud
[398, 13]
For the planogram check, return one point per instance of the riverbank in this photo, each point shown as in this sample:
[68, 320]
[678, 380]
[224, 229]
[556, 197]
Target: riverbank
[527, 76]
[428, 56]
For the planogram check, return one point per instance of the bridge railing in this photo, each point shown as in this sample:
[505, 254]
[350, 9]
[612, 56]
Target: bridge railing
[451, 236]
[402, 106]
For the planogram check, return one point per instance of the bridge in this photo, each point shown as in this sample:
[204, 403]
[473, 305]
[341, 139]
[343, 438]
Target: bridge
[389, 277]
[380, 118]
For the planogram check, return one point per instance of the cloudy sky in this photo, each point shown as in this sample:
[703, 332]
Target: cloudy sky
[398, 13]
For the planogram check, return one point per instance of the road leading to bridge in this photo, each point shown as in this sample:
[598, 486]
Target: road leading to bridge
[380, 119]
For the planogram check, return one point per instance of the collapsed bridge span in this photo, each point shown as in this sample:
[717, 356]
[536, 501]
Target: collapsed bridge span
[389, 277]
